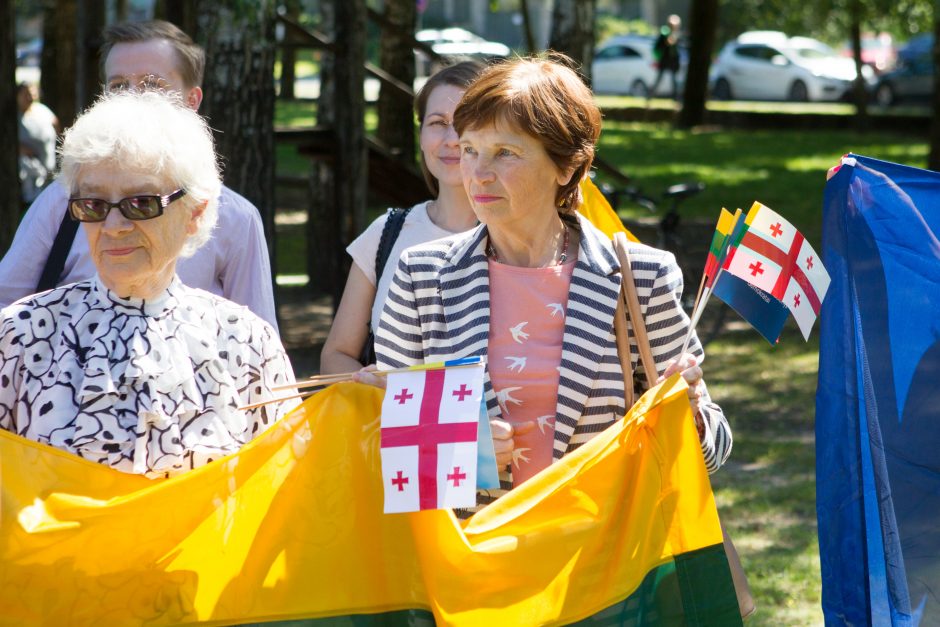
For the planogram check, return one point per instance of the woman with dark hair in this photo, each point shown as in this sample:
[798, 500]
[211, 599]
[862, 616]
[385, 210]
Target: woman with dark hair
[534, 288]
[447, 213]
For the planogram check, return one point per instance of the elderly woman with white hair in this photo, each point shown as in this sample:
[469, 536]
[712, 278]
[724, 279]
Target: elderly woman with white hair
[132, 369]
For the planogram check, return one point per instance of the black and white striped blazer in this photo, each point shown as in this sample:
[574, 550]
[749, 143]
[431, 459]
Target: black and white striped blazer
[438, 309]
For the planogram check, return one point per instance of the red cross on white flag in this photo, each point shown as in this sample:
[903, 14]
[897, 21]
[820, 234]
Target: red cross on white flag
[429, 438]
[774, 256]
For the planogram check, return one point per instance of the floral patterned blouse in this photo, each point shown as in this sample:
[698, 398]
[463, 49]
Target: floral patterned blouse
[150, 387]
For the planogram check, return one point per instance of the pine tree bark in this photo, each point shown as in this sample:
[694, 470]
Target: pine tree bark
[338, 199]
[88, 76]
[59, 60]
[323, 230]
[573, 32]
[289, 54]
[239, 97]
[396, 117]
[9, 170]
[704, 23]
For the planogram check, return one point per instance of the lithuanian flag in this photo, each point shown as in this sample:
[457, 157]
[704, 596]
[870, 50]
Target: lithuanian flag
[721, 241]
[624, 530]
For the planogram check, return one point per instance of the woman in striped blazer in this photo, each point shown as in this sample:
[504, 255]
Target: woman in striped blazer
[534, 287]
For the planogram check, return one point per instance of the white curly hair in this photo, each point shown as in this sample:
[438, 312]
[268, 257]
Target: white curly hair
[154, 132]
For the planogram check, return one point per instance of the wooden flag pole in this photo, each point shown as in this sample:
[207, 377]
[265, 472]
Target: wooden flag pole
[277, 400]
[329, 379]
[697, 313]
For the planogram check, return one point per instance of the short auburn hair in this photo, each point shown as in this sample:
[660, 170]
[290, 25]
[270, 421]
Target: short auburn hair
[544, 97]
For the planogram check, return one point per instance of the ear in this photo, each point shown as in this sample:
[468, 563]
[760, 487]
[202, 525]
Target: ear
[194, 98]
[195, 217]
[564, 176]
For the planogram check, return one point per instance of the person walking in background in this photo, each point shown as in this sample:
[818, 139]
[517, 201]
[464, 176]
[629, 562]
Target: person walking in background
[666, 53]
[350, 345]
[38, 130]
[234, 263]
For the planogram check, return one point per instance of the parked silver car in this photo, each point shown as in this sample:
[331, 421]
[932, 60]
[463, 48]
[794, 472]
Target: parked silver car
[625, 65]
[768, 65]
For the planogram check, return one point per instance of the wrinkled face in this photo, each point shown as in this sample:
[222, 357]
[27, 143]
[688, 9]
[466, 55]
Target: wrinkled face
[134, 258]
[439, 142]
[508, 175]
[149, 64]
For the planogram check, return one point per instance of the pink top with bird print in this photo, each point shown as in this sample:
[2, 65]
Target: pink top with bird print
[527, 325]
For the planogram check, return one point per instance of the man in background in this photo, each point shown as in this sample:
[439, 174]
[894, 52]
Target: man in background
[666, 53]
[47, 251]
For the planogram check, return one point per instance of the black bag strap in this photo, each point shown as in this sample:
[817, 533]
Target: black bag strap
[55, 263]
[390, 232]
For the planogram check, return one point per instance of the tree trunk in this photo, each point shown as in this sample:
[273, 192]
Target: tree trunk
[351, 162]
[9, 169]
[239, 98]
[396, 116]
[527, 26]
[323, 232]
[183, 13]
[88, 77]
[58, 63]
[337, 209]
[704, 23]
[933, 159]
[573, 32]
[289, 54]
[859, 92]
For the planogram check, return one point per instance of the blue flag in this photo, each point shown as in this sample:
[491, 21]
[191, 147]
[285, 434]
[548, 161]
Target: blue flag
[878, 398]
[761, 310]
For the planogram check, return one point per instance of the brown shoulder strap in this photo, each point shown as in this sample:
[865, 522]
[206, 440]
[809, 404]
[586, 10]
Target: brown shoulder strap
[631, 302]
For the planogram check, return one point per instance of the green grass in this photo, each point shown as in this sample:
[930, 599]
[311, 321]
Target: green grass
[785, 170]
[766, 492]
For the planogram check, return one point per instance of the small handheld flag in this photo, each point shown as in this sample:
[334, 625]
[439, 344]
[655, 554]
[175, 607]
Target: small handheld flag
[430, 429]
[765, 270]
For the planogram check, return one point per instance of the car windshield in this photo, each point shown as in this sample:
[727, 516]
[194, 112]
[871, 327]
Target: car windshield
[814, 52]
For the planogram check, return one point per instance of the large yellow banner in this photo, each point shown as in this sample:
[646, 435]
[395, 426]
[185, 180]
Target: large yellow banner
[292, 527]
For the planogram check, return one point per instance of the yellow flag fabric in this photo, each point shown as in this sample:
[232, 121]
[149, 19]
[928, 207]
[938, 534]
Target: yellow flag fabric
[292, 527]
[595, 208]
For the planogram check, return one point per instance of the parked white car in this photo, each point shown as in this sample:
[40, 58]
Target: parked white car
[768, 65]
[457, 43]
[625, 65]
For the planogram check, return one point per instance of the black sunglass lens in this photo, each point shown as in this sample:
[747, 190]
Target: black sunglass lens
[140, 207]
[90, 209]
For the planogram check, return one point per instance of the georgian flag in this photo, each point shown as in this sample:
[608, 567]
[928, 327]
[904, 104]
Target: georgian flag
[430, 420]
[773, 255]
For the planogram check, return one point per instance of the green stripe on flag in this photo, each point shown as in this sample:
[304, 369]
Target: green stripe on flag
[693, 589]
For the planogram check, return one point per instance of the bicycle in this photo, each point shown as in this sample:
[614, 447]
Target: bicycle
[691, 260]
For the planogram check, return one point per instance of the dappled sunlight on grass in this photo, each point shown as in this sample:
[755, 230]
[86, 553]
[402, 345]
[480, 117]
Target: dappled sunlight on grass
[785, 170]
[766, 493]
